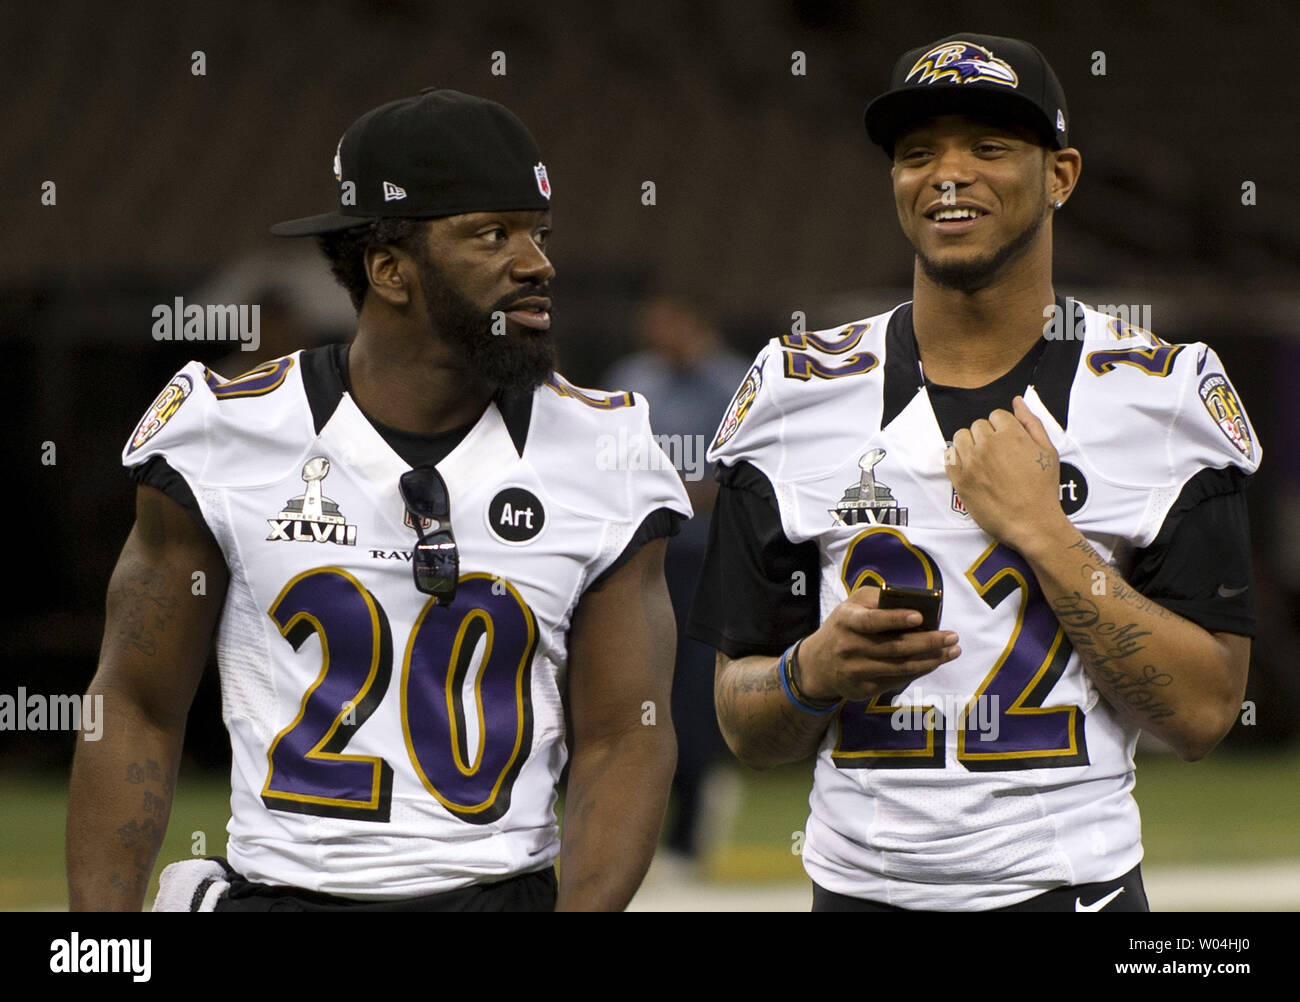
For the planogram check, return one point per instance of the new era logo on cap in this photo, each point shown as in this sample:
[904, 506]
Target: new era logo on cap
[454, 152]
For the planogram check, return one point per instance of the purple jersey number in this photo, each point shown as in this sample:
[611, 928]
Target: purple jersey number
[492, 633]
[867, 735]
[473, 783]
[1005, 724]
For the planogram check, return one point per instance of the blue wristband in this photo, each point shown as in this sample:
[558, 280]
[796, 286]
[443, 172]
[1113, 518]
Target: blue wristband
[783, 669]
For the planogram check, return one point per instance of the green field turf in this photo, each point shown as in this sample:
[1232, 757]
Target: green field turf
[31, 843]
[1230, 808]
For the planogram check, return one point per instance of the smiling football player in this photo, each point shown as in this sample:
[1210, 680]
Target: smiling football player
[1068, 507]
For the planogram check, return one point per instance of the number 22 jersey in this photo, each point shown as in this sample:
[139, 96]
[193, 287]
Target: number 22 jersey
[386, 744]
[1002, 773]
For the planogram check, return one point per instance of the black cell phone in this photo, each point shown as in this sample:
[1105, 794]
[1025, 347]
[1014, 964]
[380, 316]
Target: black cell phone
[927, 601]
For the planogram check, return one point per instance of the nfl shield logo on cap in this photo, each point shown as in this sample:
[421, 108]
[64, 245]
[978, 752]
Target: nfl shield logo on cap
[543, 184]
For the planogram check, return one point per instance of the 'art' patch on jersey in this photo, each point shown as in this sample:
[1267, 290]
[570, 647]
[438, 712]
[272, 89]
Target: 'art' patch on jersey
[311, 517]
[740, 405]
[516, 515]
[868, 501]
[962, 62]
[1221, 401]
[160, 412]
[1073, 489]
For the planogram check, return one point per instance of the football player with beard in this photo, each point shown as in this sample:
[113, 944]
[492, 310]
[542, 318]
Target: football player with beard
[416, 566]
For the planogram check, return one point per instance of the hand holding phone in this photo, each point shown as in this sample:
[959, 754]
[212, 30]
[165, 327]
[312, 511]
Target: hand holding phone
[927, 601]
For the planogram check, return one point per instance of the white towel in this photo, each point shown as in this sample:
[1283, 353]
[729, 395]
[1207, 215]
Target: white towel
[192, 885]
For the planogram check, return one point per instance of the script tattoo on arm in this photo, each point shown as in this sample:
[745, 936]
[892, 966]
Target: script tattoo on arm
[1114, 583]
[1160, 670]
[143, 834]
[1107, 647]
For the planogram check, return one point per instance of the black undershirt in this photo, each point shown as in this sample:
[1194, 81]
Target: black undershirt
[957, 407]
[415, 448]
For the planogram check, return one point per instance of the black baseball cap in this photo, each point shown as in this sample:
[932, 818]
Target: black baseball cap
[439, 153]
[966, 73]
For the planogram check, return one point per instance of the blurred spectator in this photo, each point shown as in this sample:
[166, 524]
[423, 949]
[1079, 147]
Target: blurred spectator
[688, 378]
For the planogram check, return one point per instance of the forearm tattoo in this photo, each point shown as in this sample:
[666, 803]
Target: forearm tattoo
[746, 699]
[143, 834]
[1104, 645]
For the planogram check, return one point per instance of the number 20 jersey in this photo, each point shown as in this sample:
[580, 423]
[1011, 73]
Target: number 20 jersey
[1003, 773]
[387, 745]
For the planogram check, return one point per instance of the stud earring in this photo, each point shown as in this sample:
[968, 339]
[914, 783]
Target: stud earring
[1058, 205]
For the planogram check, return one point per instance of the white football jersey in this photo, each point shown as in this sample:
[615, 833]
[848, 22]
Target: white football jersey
[1002, 773]
[386, 745]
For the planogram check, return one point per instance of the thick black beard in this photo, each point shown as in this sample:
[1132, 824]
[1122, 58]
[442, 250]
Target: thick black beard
[499, 359]
[971, 276]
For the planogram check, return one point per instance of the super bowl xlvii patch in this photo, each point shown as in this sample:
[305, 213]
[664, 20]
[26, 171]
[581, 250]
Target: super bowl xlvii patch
[311, 517]
[1221, 401]
[740, 405]
[160, 412]
[868, 502]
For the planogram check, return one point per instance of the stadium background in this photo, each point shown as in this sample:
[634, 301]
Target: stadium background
[768, 200]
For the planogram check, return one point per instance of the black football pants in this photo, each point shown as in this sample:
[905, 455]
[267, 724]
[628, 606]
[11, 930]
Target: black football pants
[1123, 894]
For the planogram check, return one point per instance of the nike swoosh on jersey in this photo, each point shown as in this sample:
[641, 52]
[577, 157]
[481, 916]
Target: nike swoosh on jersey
[1099, 904]
[1231, 592]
